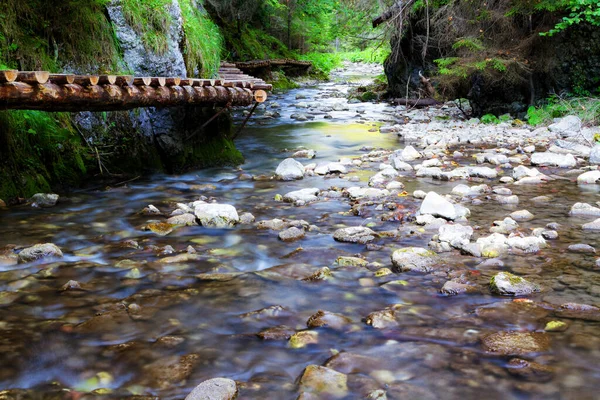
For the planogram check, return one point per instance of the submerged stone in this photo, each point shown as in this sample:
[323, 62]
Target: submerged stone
[328, 319]
[416, 259]
[355, 234]
[516, 343]
[39, 251]
[214, 389]
[324, 382]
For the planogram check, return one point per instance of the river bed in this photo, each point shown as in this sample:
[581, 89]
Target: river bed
[143, 323]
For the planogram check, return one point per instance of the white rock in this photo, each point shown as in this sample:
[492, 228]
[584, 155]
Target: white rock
[553, 160]
[330, 168]
[529, 244]
[355, 234]
[44, 200]
[461, 190]
[595, 155]
[214, 389]
[304, 154]
[589, 178]
[290, 169]
[382, 177]
[306, 195]
[400, 165]
[409, 153]
[434, 162]
[416, 259]
[592, 226]
[437, 206]
[457, 235]
[419, 194]
[507, 199]
[433, 172]
[366, 193]
[217, 215]
[483, 172]
[394, 185]
[584, 209]
[522, 215]
[522, 171]
[567, 126]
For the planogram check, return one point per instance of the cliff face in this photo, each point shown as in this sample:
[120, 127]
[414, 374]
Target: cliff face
[129, 142]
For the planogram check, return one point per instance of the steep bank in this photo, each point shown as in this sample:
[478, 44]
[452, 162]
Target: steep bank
[41, 151]
[495, 54]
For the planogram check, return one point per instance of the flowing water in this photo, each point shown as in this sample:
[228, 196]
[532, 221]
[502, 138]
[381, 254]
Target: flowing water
[142, 326]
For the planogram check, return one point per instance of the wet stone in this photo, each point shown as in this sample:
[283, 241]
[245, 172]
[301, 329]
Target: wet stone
[507, 284]
[556, 326]
[44, 200]
[516, 343]
[323, 381]
[415, 259]
[280, 332]
[455, 287]
[582, 248]
[40, 251]
[530, 370]
[350, 363]
[291, 234]
[592, 226]
[160, 228]
[578, 311]
[328, 319]
[183, 219]
[382, 319]
[214, 389]
[357, 234]
[303, 339]
[522, 215]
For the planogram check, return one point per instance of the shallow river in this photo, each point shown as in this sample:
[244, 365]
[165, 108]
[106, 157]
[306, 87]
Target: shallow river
[142, 326]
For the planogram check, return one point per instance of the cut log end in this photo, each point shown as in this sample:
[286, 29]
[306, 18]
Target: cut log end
[33, 77]
[142, 81]
[9, 75]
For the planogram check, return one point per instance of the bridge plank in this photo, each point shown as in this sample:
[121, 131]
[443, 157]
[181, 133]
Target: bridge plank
[8, 75]
[124, 80]
[142, 81]
[33, 76]
[107, 79]
[61, 79]
[86, 80]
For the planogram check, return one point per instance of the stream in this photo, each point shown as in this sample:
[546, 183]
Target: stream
[130, 312]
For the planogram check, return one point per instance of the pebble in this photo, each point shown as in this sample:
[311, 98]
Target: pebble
[214, 389]
[581, 248]
[291, 234]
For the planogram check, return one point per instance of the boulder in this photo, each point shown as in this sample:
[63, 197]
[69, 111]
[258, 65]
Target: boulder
[330, 168]
[304, 154]
[584, 209]
[409, 153]
[553, 160]
[437, 206]
[416, 259]
[44, 200]
[291, 234]
[308, 195]
[289, 170]
[589, 178]
[456, 235]
[567, 126]
[324, 382]
[214, 389]
[217, 215]
[183, 219]
[507, 284]
[592, 226]
[522, 215]
[595, 154]
[355, 234]
[40, 251]
[328, 319]
[356, 193]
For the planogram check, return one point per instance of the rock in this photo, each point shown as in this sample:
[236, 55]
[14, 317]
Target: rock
[556, 326]
[160, 228]
[217, 215]
[589, 178]
[345, 261]
[581, 248]
[304, 154]
[247, 219]
[461, 190]
[592, 226]
[331, 168]
[522, 171]
[280, 332]
[527, 244]
[356, 234]
[291, 234]
[516, 343]
[549, 234]
[482, 172]
[40, 251]
[214, 389]
[507, 284]
[530, 370]
[567, 126]
[305, 195]
[456, 235]
[553, 160]
[324, 382]
[433, 172]
[151, 210]
[522, 215]
[356, 193]
[328, 319]
[409, 153]
[303, 339]
[44, 200]
[419, 194]
[183, 219]
[383, 177]
[400, 165]
[438, 206]
[289, 170]
[584, 209]
[578, 311]
[506, 226]
[454, 287]
[415, 259]
[595, 155]
[507, 199]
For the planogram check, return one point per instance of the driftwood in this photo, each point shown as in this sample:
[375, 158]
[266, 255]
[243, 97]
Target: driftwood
[417, 103]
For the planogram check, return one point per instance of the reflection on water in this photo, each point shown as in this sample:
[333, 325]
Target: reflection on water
[141, 325]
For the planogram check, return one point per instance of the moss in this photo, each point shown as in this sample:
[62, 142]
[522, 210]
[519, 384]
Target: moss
[556, 326]
[151, 19]
[282, 82]
[368, 96]
[203, 41]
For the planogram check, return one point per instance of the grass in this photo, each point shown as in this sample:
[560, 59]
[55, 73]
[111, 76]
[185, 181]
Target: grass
[324, 63]
[151, 19]
[203, 41]
[586, 108]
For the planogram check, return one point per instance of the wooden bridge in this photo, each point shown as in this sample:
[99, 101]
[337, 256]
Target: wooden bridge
[41, 90]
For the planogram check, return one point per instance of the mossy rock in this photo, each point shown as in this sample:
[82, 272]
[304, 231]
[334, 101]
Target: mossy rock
[507, 284]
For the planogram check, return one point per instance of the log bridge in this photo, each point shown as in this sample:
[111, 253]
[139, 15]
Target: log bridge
[41, 90]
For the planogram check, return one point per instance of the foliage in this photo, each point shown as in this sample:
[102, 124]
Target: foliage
[203, 41]
[490, 119]
[586, 108]
[40, 34]
[579, 11]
